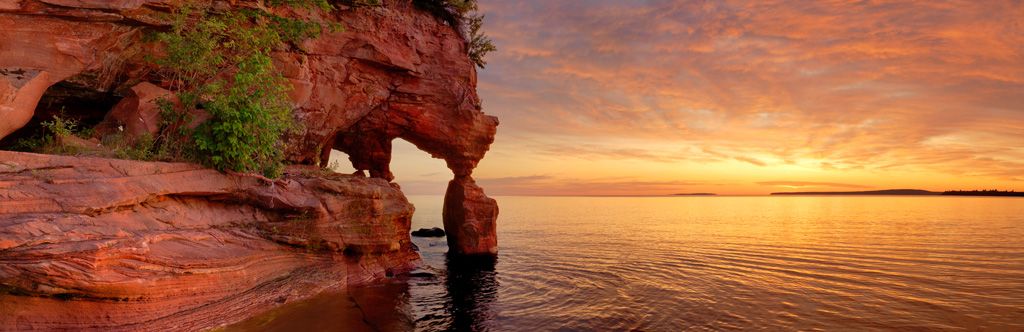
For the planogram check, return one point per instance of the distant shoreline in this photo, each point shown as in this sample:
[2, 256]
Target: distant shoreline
[989, 193]
[904, 192]
[695, 194]
[809, 193]
[908, 192]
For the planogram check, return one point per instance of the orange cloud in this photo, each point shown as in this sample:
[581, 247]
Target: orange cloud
[877, 87]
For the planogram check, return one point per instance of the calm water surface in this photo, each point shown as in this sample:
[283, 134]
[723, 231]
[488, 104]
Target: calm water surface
[728, 263]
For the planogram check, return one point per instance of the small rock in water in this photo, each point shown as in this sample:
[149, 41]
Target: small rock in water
[428, 232]
[421, 274]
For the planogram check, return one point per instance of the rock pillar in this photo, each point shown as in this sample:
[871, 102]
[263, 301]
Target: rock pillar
[470, 218]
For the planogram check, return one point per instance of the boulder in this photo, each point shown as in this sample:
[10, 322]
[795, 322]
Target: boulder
[470, 219]
[428, 232]
[138, 113]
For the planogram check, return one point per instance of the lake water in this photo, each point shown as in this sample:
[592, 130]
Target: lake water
[717, 263]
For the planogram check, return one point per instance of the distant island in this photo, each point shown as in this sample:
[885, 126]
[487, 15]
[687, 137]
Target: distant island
[917, 192]
[983, 193]
[909, 192]
[695, 194]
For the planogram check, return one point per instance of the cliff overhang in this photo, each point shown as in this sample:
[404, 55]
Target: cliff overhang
[174, 244]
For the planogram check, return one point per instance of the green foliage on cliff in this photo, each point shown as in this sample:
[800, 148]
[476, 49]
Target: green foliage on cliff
[65, 136]
[60, 127]
[479, 44]
[55, 130]
[321, 4]
[220, 63]
[463, 16]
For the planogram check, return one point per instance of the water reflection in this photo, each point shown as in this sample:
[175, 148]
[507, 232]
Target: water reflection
[673, 264]
[383, 307]
[458, 297]
[472, 289]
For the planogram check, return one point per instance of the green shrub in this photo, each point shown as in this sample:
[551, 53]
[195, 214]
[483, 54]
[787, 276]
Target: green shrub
[44, 142]
[220, 62]
[56, 129]
[462, 15]
[51, 140]
[60, 127]
[321, 4]
[479, 44]
[174, 129]
[30, 144]
[247, 120]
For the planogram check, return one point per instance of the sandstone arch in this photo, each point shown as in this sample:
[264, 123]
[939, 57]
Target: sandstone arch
[396, 72]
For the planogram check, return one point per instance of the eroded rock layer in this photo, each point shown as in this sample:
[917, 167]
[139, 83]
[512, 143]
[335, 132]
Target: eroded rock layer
[394, 72]
[89, 243]
[116, 244]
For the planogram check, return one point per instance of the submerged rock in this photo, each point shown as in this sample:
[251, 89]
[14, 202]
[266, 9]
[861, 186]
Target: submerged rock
[428, 232]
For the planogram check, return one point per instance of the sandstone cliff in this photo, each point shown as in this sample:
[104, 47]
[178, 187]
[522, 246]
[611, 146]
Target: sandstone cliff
[89, 243]
[104, 243]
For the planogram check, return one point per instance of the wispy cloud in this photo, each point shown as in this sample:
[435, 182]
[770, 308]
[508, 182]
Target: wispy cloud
[551, 185]
[593, 151]
[854, 85]
[555, 185]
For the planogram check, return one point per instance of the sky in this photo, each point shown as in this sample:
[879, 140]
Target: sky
[610, 97]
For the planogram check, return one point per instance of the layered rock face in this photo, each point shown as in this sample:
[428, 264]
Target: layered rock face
[116, 244]
[404, 76]
[165, 245]
[395, 72]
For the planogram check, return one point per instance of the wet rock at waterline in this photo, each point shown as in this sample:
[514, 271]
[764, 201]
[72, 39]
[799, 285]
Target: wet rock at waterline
[171, 245]
[428, 232]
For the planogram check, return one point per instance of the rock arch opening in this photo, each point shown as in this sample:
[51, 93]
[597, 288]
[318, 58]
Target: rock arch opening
[468, 215]
[338, 162]
[416, 171]
[82, 105]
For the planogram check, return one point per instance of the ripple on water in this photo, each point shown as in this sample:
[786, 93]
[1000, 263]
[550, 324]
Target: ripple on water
[669, 264]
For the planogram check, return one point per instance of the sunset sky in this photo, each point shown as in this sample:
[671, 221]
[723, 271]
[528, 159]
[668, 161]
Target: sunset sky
[747, 97]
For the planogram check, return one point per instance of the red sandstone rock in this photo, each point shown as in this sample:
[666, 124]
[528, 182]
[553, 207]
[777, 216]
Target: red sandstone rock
[406, 76]
[10, 4]
[100, 4]
[20, 91]
[165, 245]
[50, 49]
[177, 247]
[83, 146]
[469, 218]
[400, 82]
[395, 72]
[138, 113]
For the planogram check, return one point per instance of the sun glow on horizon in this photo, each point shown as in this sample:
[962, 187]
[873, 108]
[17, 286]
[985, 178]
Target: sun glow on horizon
[734, 97]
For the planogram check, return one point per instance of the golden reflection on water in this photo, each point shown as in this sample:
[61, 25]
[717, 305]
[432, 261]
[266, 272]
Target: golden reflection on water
[713, 263]
[362, 309]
